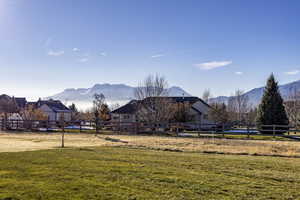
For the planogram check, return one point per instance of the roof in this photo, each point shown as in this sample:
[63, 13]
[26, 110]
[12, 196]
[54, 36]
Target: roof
[198, 111]
[191, 99]
[4, 97]
[55, 105]
[21, 102]
[129, 108]
[181, 99]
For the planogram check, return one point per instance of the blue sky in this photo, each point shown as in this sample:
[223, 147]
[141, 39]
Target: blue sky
[47, 46]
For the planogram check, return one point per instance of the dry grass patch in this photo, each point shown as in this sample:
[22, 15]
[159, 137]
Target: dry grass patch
[250, 147]
[33, 141]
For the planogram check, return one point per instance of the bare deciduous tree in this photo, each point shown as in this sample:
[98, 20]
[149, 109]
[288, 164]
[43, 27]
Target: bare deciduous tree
[238, 106]
[153, 106]
[206, 95]
[218, 113]
[99, 100]
[100, 110]
[114, 106]
[251, 116]
[292, 107]
[87, 115]
[182, 112]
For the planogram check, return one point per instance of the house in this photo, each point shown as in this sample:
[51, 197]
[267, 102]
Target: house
[11, 107]
[197, 109]
[126, 113]
[54, 109]
[21, 102]
[7, 104]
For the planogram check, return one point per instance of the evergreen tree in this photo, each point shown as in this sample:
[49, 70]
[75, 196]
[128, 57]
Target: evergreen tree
[271, 110]
[73, 108]
[75, 115]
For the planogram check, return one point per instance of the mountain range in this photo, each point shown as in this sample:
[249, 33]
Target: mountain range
[121, 94]
[256, 94]
[114, 93]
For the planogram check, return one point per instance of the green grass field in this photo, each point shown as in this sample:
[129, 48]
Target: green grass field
[124, 173]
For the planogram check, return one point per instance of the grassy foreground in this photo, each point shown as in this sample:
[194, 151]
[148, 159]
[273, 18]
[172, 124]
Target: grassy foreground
[123, 173]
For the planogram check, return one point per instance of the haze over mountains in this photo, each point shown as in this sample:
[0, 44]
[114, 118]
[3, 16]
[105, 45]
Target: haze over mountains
[114, 93]
[256, 94]
[121, 94]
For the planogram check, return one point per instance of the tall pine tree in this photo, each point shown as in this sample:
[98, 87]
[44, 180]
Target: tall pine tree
[271, 110]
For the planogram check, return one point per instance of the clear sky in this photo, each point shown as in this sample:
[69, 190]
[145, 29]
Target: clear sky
[49, 45]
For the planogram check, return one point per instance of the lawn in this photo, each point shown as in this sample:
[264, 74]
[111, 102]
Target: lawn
[130, 173]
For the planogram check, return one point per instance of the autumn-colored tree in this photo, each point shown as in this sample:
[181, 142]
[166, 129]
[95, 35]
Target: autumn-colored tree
[31, 113]
[104, 112]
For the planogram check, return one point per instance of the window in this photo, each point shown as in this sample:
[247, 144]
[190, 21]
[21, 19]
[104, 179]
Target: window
[126, 116]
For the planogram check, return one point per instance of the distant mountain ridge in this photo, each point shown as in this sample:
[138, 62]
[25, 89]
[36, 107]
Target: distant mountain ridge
[112, 92]
[256, 94]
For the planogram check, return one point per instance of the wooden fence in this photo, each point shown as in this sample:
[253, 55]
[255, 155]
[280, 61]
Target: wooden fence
[141, 127]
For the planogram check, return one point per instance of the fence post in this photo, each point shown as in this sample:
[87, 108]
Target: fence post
[2, 124]
[136, 127]
[63, 134]
[215, 129]
[223, 129]
[5, 124]
[97, 125]
[248, 131]
[199, 129]
[119, 123]
[47, 124]
[80, 127]
[273, 131]
[63, 139]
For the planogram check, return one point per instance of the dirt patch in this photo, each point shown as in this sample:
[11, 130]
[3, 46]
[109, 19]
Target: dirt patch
[14, 142]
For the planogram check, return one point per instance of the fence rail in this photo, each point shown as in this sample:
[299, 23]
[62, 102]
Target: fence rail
[142, 127]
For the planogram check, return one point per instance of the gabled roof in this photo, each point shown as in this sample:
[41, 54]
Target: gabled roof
[181, 99]
[129, 108]
[55, 105]
[21, 102]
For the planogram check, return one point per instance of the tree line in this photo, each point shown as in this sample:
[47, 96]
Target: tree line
[153, 107]
[237, 110]
[272, 110]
